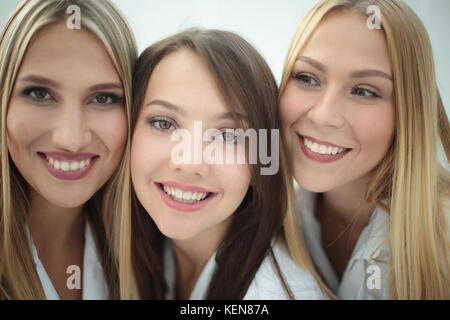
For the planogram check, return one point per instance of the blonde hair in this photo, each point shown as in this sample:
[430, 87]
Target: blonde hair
[411, 181]
[18, 277]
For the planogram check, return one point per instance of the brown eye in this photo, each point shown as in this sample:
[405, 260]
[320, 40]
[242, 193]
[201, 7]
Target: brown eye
[37, 93]
[103, 99]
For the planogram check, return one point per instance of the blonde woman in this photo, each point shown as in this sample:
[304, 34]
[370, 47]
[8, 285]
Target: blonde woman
[362, 118]
[65, 101]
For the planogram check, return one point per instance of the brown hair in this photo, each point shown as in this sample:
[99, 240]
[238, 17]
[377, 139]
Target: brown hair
[246, 82]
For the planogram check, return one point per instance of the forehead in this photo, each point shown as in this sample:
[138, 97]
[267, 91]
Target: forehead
[343, 37]
[68, 55]
[184, 79]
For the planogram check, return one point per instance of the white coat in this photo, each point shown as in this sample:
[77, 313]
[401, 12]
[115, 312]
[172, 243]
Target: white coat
[366, 275]
[266, 284]
[93, 285]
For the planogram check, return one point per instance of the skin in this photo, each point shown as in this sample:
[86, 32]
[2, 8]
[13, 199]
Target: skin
[184, 80]
[331, 102]
[64, 114]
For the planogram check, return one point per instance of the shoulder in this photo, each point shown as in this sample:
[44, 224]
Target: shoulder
[267, 284]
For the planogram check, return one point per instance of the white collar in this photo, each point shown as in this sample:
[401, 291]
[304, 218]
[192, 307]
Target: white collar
[94, 285]
[368, 247]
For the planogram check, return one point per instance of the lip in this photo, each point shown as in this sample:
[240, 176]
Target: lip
[180, 206]
[322, 158]
[184, 187]
[66, 156]
[68, 175]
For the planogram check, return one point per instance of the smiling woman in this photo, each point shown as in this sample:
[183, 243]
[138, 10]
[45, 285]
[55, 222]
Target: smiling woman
[362, 117]
[64, 111]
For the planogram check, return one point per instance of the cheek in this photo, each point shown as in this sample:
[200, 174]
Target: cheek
[24, 125]
[235, 180]
[293, 104]
[374, 130]
[148, 153]
[111, 128]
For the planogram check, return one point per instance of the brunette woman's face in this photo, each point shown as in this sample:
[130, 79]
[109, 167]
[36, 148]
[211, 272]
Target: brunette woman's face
[186, 200]
[66, 123]
[337, 109]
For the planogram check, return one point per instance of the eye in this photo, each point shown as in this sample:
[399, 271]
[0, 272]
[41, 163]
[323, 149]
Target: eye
[162, 124]
[106, 98]
[228, 136]
[365, 93]
[37, 93]
[306, 80]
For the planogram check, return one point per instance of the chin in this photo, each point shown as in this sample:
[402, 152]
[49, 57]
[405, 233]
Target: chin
[68, 202]
[312, 184]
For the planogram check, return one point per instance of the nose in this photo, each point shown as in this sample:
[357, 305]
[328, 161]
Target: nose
[72, 131]
[186, 157]
[327, 110]
[197, 170]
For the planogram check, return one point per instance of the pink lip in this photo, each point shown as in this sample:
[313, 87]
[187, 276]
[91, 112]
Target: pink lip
[180, 206]
[66, 156]
[184, 187]
[323, 158]
[68, 175]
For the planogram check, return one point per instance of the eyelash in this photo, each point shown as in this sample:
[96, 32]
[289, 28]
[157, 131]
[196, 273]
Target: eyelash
[234, 141]
[28, 92]
[303, 78]
[155, 123]
[372, 95]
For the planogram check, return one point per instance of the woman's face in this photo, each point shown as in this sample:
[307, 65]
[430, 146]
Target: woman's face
[66, 124]
[186, 200]
[337, 109]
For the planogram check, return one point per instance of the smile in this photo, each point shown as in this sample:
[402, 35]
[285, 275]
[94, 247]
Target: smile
[182, 197]
[320, 151]
[68, 166]
[320, 148]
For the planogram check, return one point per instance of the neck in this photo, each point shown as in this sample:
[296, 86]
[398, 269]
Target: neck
[53, 227]
[191, 256]
[347, 204]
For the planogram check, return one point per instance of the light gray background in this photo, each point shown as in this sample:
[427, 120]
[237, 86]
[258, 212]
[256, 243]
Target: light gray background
[267, 24]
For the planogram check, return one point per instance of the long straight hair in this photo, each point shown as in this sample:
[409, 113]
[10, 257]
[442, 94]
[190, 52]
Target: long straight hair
[246, 83]
[409, 183]
[18, 276]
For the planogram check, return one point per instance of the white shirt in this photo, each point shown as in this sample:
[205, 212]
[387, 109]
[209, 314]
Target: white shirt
[266, 284]
[93, 285]
[359, 280]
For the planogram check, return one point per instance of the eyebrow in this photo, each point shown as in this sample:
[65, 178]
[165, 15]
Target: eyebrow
[39, 80]
[167, 105]
[355, 74]
[177, 109]
[51, 83]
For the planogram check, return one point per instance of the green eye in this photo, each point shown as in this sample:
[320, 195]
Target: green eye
[162, 125]
[228, 136]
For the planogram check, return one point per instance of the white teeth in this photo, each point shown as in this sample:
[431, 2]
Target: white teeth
[184, 196]
[66, 165]
[322, 149]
